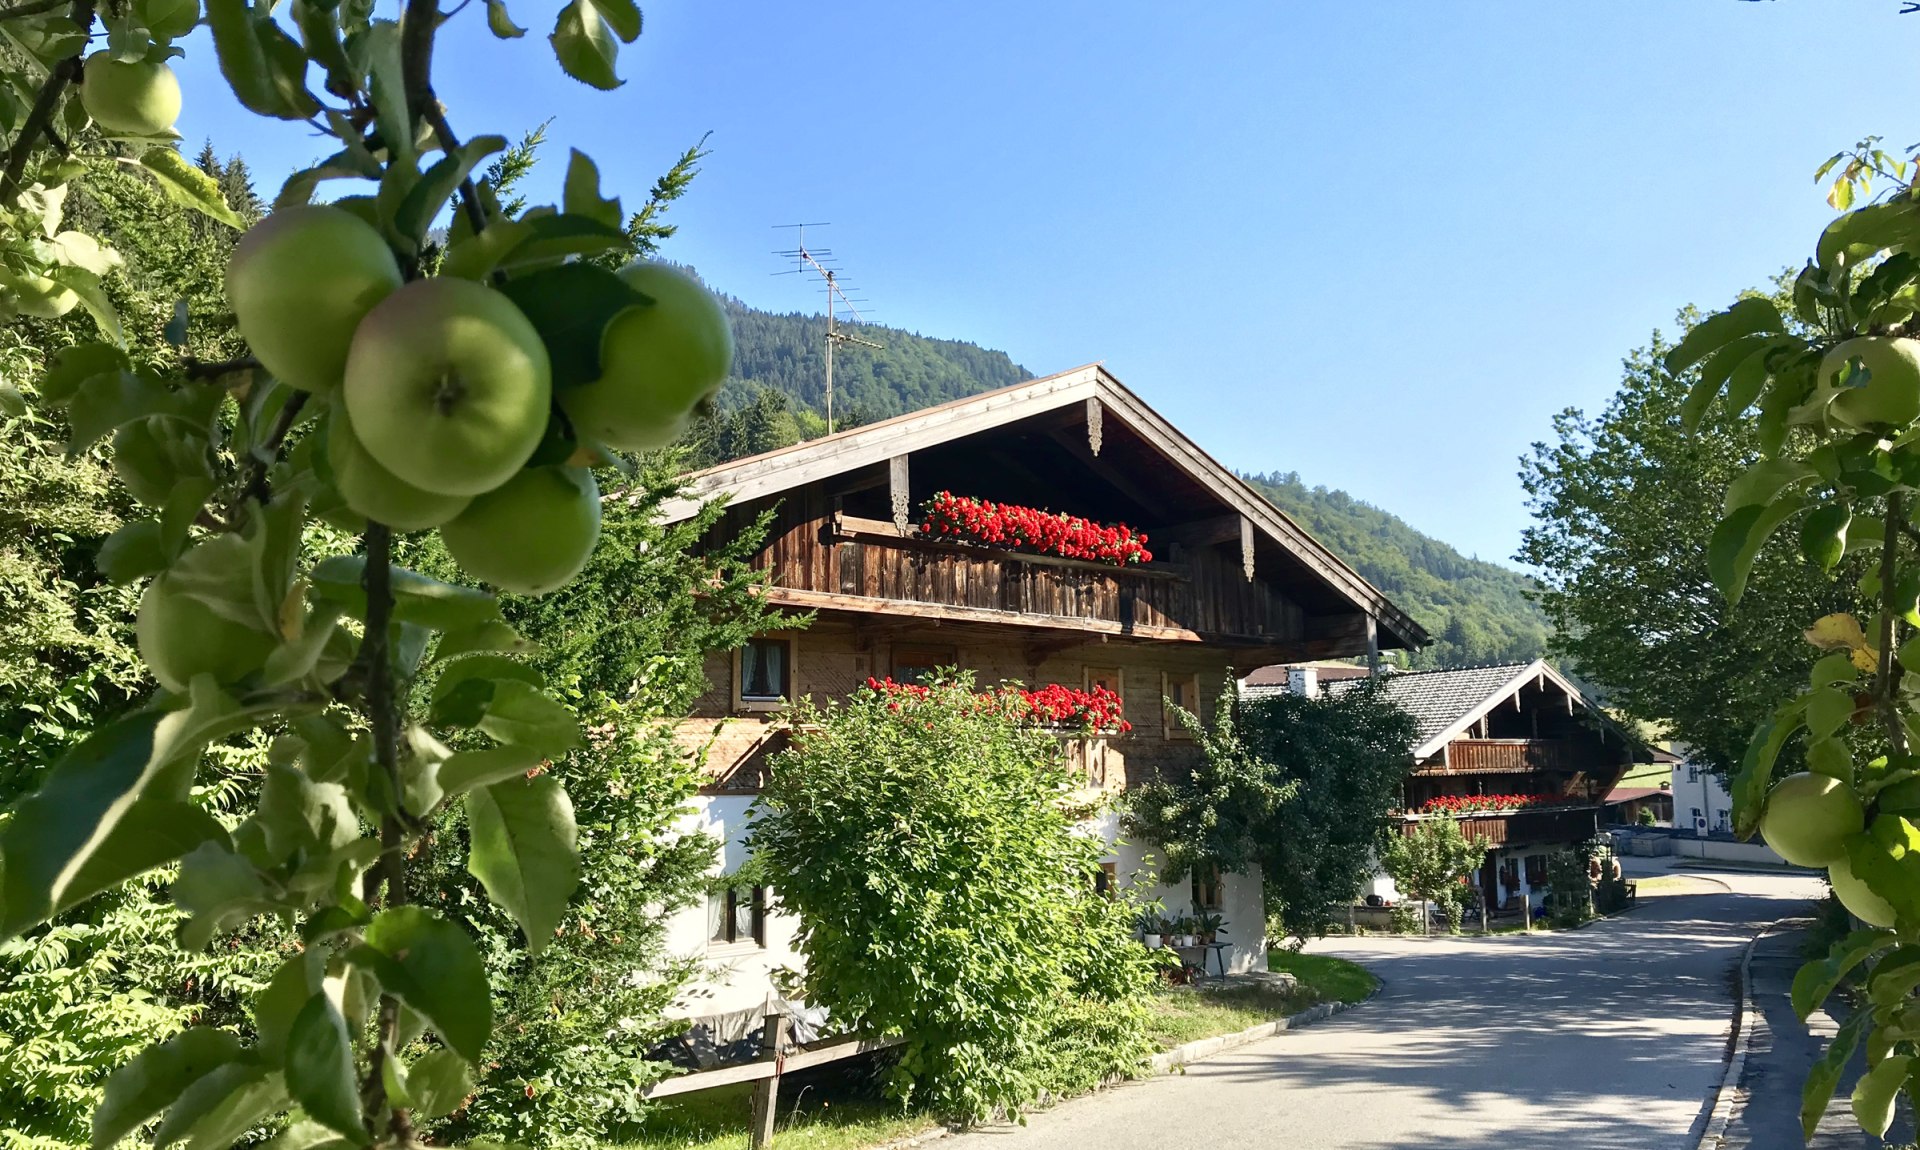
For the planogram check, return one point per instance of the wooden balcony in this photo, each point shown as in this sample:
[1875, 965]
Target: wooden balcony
[867, 565]
[1547, 827]
[1516, 757]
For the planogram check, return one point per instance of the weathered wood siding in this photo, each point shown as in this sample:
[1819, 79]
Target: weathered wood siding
[1207, 593]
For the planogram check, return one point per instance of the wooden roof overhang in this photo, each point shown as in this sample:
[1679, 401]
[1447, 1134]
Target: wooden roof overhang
[1070, 433]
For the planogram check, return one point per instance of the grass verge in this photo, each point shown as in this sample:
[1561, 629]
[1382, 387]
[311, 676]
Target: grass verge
[1181, 1016]
[810, 1120]
[1329, 979]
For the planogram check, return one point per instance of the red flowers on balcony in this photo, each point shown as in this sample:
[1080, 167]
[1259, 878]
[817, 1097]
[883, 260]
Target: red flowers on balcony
[1094, 711]
[1472, 804]
[961, 519]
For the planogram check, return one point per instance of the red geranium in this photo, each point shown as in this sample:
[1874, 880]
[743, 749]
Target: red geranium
[1005, 525]
[1093, 711]
[1472, 804]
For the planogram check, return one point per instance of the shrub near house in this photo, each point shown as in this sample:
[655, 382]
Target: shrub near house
[919, 837]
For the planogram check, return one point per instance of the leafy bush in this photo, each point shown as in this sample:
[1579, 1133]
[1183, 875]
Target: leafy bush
[1300, 785]
[944, 895]
[1435, 861]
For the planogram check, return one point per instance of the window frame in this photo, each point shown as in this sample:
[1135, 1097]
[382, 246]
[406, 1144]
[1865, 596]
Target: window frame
[729, 918]
[1213, 882]
[741, 700]
[1170, 728]
[947, 655]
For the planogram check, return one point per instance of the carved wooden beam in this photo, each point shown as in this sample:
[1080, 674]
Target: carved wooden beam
[897, 492]
[1095, 417]
[1246, 552]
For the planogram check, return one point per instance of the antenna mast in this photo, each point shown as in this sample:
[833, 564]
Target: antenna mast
[821, 261]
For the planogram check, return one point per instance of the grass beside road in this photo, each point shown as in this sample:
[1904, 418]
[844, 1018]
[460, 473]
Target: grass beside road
[1329, 979]
[717, 1120]
[842, 1120]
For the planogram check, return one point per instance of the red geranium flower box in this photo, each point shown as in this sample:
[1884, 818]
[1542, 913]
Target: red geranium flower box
[960, 519]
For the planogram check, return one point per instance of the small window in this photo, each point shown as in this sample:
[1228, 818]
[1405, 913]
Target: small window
[916, 663]
[1208, 892]
[1108, 677]
[763, 673]
[737, 915]
[1182, 691]
[1106, 881]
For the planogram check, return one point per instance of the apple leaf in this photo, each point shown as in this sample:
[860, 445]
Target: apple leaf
[157, 1075]
[523, 714]
[320, 1068]
[465, 770]
[1750, 316]
[582, 197]
[113, 807]
[416, 598]
[1817, 1093]
[440, 1081]
[263, 65]
[500, 23]
[583, 39]
[571, 306]
[431, 965]
[1737, 540]
[1815, 981]
[523, 851]
[188, 186]
[221, 1106]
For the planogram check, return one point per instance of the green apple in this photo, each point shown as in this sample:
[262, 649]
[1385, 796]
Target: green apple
[373, 491]
[132, 98]
[1891, 394]
[180, 637]
[533, 534]
[1852, 891]
[150, 457]
[658, 363]
[1809, 819]
[300, 281]
[448, 386]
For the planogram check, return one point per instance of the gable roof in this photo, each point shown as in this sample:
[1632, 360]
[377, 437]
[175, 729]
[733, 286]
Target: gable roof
[774, 472]
[1445, 703]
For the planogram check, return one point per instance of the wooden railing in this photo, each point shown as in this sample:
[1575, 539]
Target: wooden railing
[1515, 756]
[1553, 825]
[869, 559]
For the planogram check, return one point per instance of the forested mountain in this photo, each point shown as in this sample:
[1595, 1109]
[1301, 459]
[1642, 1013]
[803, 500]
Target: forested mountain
[1476, 611]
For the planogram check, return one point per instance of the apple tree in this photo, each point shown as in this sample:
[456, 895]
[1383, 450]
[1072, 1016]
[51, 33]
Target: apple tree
[399, 381]
[1834, 400]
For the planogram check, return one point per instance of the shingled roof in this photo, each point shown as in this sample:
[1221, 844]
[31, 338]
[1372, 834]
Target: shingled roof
[1444, 703]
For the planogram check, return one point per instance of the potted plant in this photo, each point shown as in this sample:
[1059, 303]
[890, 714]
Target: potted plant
[1184, 928]
[1210, 926]
[1150, 929]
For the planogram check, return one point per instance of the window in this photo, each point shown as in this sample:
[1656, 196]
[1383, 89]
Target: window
[1208, 892]
[1720, 821]
[916, 663]
[1183, 691]
[1106, 880]
[763, 673]
[1693, 774]
[1108, 677]
[737, 915]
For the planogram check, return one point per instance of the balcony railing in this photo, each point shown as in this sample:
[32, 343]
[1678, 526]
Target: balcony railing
[1550, 825]
[1516, 757]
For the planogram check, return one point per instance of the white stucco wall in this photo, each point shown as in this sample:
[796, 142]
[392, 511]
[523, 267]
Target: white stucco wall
[1243, 896]
[737, 976]
[1701, 804]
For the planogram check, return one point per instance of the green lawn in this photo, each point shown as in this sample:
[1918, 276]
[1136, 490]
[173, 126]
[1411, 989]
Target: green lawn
[1330, 979]
[717, 1120]
[1181, 1015]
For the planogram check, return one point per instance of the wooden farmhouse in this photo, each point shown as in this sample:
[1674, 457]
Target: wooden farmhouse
[1231, 583]
[1519, 757]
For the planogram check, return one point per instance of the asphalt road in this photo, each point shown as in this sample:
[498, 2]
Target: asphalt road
[1596, 1039]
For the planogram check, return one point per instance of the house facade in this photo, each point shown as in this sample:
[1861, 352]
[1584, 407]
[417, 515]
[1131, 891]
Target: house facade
[1230, 583]
[1515, 754]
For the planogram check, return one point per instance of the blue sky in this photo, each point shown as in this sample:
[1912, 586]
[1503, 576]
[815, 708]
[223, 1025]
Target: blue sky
[1379, 244]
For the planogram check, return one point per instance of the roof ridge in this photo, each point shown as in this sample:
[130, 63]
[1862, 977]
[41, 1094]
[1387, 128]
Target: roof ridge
[1467, 667]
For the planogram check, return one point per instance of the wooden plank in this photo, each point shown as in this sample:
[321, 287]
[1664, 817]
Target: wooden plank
[807, 600]
[766, 1096]
[834, 1052]
[784, 470]
[708, 1079]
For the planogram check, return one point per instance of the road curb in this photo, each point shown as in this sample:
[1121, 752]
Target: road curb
[1741, 1040]
[1203, 1048]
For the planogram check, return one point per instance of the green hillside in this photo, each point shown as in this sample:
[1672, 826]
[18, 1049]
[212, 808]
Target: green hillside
[1476, 611]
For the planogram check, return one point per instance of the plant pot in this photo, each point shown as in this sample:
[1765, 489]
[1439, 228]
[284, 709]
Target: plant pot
[1152, 941]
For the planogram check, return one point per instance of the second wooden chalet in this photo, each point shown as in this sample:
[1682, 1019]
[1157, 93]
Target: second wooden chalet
[1231, 583]
[1518, 756]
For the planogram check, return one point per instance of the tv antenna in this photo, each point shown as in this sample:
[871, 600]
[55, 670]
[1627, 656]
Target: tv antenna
[821, 261]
